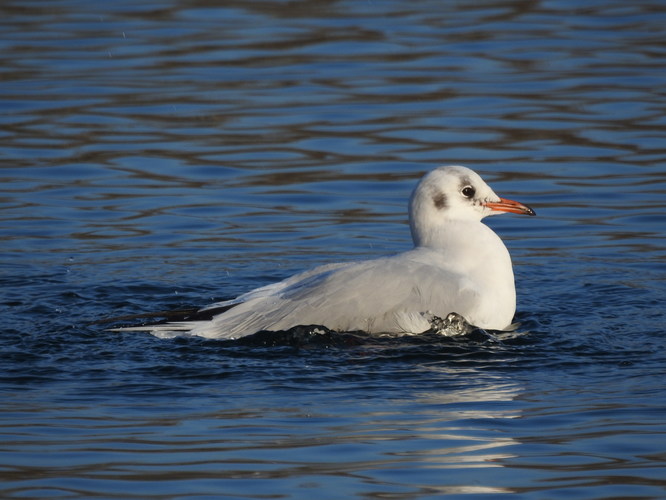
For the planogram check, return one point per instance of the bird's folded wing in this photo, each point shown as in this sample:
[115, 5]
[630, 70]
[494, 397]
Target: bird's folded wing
[384, 295]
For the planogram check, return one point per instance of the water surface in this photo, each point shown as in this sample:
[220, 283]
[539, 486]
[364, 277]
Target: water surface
[171, 154]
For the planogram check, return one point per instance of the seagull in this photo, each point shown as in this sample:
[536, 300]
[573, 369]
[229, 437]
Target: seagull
[458, 265]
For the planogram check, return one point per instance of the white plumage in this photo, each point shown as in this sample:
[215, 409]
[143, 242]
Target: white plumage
[458, 264]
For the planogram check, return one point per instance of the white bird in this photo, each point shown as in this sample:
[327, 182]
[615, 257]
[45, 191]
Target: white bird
[458, 264]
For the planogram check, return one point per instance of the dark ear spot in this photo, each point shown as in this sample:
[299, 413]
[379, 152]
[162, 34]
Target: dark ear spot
[439, 199]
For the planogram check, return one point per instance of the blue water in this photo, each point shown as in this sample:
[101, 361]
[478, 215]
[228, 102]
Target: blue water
[170, 154]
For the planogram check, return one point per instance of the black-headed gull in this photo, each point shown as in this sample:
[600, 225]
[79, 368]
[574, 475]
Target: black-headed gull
[458, 264]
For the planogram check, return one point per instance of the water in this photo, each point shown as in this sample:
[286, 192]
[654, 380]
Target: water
[170, 154]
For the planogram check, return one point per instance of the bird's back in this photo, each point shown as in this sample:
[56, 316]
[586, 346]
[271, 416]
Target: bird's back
[395, 294]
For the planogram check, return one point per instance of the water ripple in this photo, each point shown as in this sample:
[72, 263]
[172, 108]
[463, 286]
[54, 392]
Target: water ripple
[165, 155]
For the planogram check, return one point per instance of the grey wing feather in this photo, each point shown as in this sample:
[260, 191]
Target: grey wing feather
[385, 295]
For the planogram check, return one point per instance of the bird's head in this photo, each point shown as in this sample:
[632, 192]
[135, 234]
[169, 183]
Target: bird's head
[455, 193]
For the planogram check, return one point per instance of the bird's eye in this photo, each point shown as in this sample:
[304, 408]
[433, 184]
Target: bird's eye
[468, 191]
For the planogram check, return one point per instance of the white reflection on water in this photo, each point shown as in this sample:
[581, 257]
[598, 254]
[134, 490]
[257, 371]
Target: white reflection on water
[431, 442]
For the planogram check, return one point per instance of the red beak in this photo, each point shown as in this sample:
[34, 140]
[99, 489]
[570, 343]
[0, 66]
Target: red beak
[514, 207]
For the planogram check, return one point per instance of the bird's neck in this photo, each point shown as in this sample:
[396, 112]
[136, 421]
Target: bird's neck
[470, 243]
[448, 234]
[471, 250]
